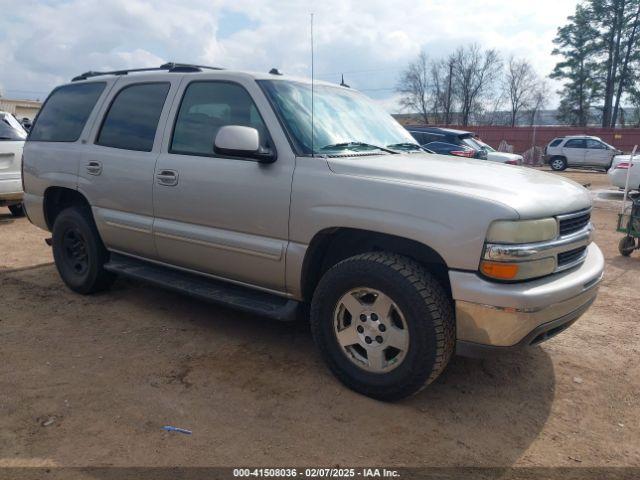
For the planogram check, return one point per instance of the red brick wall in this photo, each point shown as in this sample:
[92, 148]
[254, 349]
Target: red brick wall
[522, 137]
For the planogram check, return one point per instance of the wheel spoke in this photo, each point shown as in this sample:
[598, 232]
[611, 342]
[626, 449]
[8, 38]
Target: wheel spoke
[382, 305]
[397, 338]
[352, 304]
[348, 336]
[375, 357]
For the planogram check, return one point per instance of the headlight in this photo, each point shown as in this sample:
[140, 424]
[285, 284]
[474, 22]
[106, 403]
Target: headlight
[522, 231]
[502, 262]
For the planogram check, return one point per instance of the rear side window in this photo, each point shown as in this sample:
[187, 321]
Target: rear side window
[65, 112]
[132, 119]
[454, 139]
[555, 142]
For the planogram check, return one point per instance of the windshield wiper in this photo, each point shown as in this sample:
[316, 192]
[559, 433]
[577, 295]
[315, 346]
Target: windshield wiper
[347, 145]
[406, 146]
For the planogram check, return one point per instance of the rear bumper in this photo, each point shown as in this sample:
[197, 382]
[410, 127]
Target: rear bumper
[10, 191]
[495, 317]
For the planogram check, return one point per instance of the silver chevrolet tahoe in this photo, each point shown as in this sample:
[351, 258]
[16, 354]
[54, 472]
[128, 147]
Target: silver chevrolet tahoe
[214, 183]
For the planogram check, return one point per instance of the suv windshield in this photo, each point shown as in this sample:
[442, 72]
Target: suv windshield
[10, 129]
[344, 119]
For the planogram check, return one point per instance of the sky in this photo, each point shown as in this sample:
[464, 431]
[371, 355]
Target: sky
[44, 43]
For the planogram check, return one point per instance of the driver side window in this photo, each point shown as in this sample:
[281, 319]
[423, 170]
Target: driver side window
[595, 145]
[206, 107]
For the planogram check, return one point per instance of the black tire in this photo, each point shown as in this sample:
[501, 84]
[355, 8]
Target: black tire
[558, 164]
[79, 253]
[17, 210]
[626, 246]
[427, 310]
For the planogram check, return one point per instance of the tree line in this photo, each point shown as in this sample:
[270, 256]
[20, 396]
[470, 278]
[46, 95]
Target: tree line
[599, 67]
[600, 61]
[472, 85]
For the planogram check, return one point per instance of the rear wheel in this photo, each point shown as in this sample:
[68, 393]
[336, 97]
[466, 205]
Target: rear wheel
[17, 210]
[384, 325]
[558, 164]
[626, 246]
[78, 251]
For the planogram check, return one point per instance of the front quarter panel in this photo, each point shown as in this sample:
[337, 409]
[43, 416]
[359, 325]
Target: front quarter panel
[452, 224]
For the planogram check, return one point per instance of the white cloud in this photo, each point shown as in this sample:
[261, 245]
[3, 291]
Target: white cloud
[43, 44]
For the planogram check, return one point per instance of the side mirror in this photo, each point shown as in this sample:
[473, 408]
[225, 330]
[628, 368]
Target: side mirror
[240, 141]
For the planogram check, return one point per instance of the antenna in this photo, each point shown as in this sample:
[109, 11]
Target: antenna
[313, 154]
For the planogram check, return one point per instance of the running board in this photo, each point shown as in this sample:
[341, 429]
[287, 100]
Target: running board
[203, 288]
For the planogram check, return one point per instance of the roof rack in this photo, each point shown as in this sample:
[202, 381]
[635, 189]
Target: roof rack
[170, 67]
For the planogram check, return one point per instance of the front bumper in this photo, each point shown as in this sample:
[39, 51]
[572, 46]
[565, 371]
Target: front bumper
[496, 316]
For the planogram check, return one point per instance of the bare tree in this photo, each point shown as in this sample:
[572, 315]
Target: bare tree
[443, 91]
[475, 73]
[539, 99]
[519, 82]
[414, 87]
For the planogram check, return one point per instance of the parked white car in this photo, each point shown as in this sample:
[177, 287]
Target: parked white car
[619, 168]
[579, 151]
[501, 157]
[12, 137]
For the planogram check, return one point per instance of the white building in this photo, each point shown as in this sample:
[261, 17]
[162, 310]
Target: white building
[20, 108]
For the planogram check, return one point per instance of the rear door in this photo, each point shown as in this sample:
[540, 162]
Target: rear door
[574, 150]
[116, 173]
[597, 153]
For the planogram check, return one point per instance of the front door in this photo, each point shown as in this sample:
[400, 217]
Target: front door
[221, 215]
[597, 154]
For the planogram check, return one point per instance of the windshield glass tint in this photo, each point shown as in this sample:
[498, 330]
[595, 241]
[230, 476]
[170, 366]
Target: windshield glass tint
[10, 129]
[340, 116]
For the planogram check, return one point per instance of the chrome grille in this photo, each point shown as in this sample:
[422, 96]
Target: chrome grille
[573, 222]
[570, 256]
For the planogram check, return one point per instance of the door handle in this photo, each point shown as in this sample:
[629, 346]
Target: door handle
[168, 178]
[94, 168]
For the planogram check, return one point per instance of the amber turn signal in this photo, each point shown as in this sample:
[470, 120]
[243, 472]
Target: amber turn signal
[499, 270]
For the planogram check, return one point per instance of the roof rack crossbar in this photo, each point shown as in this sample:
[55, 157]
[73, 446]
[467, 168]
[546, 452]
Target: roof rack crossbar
[170, 66]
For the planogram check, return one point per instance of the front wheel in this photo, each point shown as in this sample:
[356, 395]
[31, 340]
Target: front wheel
[383, 324]
[78, 251]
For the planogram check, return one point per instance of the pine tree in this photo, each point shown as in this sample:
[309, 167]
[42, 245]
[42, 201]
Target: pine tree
[576, 43]
[616, 49]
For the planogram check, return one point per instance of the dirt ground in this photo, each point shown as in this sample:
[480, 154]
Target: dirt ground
[91, 381]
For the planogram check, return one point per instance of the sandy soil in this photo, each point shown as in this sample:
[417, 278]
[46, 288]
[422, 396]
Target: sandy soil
[91, 381]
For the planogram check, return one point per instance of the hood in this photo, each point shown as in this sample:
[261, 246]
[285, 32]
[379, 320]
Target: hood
[531, 193]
